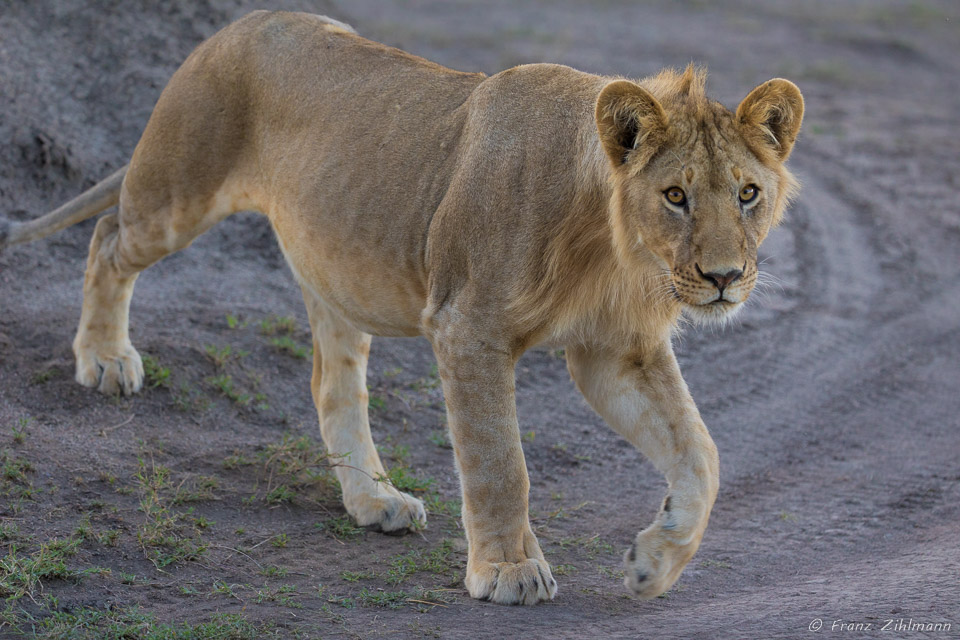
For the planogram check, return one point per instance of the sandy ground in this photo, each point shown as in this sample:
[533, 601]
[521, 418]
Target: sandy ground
[834, 402]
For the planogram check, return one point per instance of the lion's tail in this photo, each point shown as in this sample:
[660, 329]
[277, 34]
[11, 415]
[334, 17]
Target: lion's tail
[102, 195]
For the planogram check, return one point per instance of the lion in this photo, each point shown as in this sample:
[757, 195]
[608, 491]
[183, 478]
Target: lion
[540, 206]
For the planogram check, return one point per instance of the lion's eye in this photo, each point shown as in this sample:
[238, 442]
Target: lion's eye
[748, 193]
[676, 196]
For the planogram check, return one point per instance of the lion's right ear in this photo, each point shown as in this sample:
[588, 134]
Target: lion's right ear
[631, 123]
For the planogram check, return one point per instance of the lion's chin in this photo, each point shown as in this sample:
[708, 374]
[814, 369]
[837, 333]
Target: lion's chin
[718, 312]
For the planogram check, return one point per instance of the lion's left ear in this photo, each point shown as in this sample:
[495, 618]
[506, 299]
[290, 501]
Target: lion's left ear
[771, 114]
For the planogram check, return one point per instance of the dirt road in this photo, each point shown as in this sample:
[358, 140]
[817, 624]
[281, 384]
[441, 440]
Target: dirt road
[834, 401]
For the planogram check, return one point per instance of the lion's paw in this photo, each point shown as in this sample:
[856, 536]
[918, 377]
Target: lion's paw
[115, 373]
[390, 511]
[526, 582]
[654, 563]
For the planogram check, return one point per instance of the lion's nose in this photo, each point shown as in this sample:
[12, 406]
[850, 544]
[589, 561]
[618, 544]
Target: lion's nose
[721, 280]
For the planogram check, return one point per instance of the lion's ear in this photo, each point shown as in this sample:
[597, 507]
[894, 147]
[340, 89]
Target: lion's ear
[771, 114]
[631, 123]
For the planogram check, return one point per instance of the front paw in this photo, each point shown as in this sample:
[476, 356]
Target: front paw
[655, 561]
[113, 372]
[390, 511]
[526, 582]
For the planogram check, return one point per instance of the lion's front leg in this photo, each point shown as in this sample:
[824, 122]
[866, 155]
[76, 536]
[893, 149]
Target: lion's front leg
[505, 563]
[644, 398]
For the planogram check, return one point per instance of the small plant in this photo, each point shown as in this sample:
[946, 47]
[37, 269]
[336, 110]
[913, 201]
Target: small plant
[432, 381]
[233, 322]
[222, 588]
[44, 376]
[166, 536]
[289, 346]
[441, 439]
[376, 403]
[719, 564]
[437, 505]
[402, 478]
[609, 572]
[342, 528]
[224, 384]
[282, 595]
[280, 540]
[593, 545]
[356, 576]
[155, 375]
[280, 494]
[220, 356]
[108, 538]
[13, 470]
[23, 574]
[195, 489]
[381, 598]
[9, 532]
[399, 453]
[20, 430]
[236, 460]
[297, 463]
[188, 398]
[273, 572]
[273, 325]
[529, 436]
[438, 561]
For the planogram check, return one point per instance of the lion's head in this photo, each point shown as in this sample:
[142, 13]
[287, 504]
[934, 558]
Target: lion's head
[695, 185]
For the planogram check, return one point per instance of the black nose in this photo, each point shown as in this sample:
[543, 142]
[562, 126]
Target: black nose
[721, 280]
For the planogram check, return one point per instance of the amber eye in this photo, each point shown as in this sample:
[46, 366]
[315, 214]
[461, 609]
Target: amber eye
[748, 193]
[675, 195]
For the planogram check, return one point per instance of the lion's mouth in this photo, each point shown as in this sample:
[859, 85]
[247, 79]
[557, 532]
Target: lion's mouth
[716, 311]
[720, 303]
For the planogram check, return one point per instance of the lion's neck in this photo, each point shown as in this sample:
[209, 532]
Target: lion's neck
[588, 292]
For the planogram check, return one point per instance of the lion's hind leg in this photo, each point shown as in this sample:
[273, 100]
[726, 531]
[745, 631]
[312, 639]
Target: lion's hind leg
[105, 357]
[339, 387]
[147, 228]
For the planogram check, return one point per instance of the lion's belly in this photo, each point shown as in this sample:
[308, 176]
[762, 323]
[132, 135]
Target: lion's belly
[377, 288]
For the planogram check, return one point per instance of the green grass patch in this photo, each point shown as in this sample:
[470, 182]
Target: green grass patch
[224, 384]
[155, 374]
[341, 528]
[15, 484]
[166, 535]
[295, 465]
[403, 478]
[129, 624]
[273, 325]
[286, 344]
[44, 376]
[438, 561]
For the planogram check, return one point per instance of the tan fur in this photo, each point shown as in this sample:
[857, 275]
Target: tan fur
[489, 214]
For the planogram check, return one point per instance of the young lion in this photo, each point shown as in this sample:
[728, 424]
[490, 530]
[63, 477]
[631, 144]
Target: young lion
[538, 206]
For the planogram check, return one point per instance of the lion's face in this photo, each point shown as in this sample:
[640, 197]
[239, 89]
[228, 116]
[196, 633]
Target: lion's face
[700, 188]
[703, 209]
